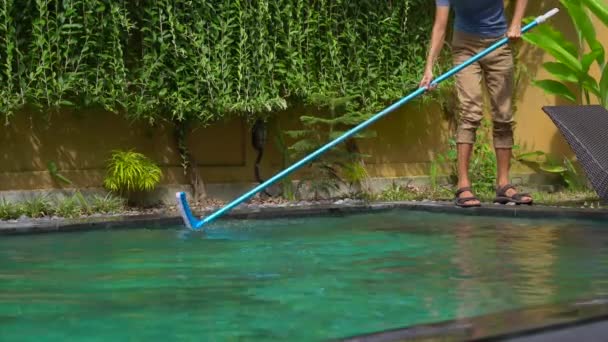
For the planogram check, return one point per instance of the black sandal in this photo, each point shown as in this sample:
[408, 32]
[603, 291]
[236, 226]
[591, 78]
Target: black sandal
[461, 201]
[502, 198]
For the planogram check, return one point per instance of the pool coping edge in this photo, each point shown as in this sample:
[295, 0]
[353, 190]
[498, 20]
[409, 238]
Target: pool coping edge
[518, 324]
[46, 225]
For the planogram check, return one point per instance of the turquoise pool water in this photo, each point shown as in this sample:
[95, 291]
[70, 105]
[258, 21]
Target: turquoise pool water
[297, 279]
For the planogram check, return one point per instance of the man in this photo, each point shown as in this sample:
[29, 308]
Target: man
[478, 24]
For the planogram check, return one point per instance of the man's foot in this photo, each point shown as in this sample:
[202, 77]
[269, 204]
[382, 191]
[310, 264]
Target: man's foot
[465, 198]
[508, 194]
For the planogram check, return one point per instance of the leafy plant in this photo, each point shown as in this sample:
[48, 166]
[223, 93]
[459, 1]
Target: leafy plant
[354, 174]
[130, 171]
[599, 8]
[565, 168]
[9, 210]
[447, 160]
[77, 205]
[54, 171]
[37, 206]
[107, 204]
[572, 65]
[342, 164]
[84, 204]
[68, 207]
[279, 140]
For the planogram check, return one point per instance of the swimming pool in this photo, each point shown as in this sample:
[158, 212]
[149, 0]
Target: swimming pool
[311, 278]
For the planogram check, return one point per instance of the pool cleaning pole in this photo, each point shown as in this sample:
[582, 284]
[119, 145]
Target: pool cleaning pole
[196, 224]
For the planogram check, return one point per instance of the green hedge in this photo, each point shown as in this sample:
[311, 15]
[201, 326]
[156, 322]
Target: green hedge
[201, 60]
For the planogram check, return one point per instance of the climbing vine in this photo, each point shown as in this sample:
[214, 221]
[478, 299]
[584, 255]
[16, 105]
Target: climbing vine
[193, 62]
[205, 59]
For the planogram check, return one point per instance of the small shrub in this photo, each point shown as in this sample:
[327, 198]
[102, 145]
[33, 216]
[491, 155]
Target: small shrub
[570, 177]
[574, 62]
[130, 171]
[9, 211]
[355, 174]
[69, 207]
[339, 166]
[107, 204]
[37, 206]
[54, 171]
[85, 206]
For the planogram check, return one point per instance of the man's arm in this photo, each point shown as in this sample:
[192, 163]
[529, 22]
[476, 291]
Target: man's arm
[518, 15]
[438, 35]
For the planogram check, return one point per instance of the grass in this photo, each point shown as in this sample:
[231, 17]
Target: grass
[78, 205]
[69, 208]
[566, 197]
[579, 198]
[107, 204]
[395, 193]
[9, 211]
[74, 206]
[37, 206]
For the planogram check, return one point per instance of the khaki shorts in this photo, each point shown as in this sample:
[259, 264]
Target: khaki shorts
[495, 71]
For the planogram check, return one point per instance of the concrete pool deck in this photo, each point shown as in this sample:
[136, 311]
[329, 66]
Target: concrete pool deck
[172, 218]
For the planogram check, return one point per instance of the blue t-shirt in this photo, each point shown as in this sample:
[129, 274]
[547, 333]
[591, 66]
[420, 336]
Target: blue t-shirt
[481, 17]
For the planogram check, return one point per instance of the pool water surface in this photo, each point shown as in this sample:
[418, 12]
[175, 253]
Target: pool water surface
[311, 278]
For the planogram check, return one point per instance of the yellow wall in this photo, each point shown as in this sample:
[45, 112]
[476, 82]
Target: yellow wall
[80, 143]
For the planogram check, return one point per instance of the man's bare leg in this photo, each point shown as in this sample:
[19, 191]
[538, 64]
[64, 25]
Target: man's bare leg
[503, 159]
[464, 157]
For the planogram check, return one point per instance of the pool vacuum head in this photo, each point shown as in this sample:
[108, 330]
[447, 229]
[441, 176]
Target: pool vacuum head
[189, 220]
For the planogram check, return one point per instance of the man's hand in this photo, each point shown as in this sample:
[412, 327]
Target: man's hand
[427, 78]
[441, 19]
[514, 32]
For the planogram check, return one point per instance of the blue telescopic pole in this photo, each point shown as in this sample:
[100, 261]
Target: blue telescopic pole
[196, 224]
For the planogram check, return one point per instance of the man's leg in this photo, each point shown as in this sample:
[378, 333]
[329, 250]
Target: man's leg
[470, 111]
[464, 158]
[503, 161]
[499, 74]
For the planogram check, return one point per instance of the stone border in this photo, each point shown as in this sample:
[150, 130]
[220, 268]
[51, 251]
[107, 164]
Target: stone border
[46, 225]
